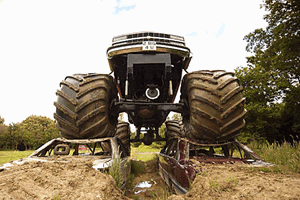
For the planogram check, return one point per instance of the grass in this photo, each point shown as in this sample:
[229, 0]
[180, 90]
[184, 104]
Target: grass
[144, 157]
[285, 156]
[56, 197]
[144, 148]
[7, 156]
[144, 153]
[161, 195]
[115, 171]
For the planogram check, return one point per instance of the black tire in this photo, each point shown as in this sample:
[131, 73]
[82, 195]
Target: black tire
[216, 106]
[123, 133]
[61, 149]
[83, 106]
[173, 129]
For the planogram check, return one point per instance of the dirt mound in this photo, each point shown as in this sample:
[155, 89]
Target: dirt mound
[75, 179]
[242, 182]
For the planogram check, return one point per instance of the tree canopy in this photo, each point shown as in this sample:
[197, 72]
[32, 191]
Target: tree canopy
[31, 133]
[1, 120]
[271, 80]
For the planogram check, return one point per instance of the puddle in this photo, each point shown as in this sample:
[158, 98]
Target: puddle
[140, 186]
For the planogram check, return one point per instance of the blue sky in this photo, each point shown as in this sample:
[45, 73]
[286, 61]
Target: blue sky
[42, 42]
[120, 8]
[219, 33]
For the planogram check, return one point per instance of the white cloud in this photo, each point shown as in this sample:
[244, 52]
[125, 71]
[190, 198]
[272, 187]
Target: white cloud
[41, 42]
[221, 30]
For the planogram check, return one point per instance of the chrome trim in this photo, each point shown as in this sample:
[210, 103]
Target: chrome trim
[148, 38]
[113, 51]
[150, 34]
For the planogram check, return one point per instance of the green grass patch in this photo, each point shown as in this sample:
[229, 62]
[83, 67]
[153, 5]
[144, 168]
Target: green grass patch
[7, 156]
[285, 156]
[144, 156]
[144, 153]
[145, 148]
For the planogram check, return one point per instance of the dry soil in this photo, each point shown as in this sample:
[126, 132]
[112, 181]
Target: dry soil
[241, 181]
[78, 180]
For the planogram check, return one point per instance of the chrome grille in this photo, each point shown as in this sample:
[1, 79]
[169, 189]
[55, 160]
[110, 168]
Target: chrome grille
[138, 38]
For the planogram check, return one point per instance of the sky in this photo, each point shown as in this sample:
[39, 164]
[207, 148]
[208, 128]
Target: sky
[43, 41]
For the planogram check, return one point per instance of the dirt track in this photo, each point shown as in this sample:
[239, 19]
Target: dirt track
[77, 180]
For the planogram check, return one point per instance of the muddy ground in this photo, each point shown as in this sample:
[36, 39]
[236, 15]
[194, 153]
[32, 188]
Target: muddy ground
[78, 180]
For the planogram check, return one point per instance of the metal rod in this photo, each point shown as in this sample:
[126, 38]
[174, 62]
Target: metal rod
[126, 88]
[170, 88]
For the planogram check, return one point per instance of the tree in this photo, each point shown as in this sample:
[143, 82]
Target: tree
[37, 130]
[263, 113]
[10, 137]
[3, 128]
[1, 120]
[272, 79]
[31, 133]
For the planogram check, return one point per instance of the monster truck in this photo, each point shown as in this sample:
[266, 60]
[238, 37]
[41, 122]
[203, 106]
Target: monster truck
[147, 69]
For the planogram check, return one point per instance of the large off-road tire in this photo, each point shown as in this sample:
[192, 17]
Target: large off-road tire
[173, 129]
[123, 133]
[216, 106]
[83, 106]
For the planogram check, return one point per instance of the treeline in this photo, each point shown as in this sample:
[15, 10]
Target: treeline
[272, 78]
[31, 133]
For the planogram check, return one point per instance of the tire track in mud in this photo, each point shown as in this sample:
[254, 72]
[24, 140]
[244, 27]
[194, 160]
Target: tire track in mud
[147, 172]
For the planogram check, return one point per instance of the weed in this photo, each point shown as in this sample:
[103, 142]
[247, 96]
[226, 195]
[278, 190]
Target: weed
[115, 171]
[214, 186]
[56, 197]
[229, 185]
[129, 184]
[273, 169]
[161, 195]
[264, 169]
